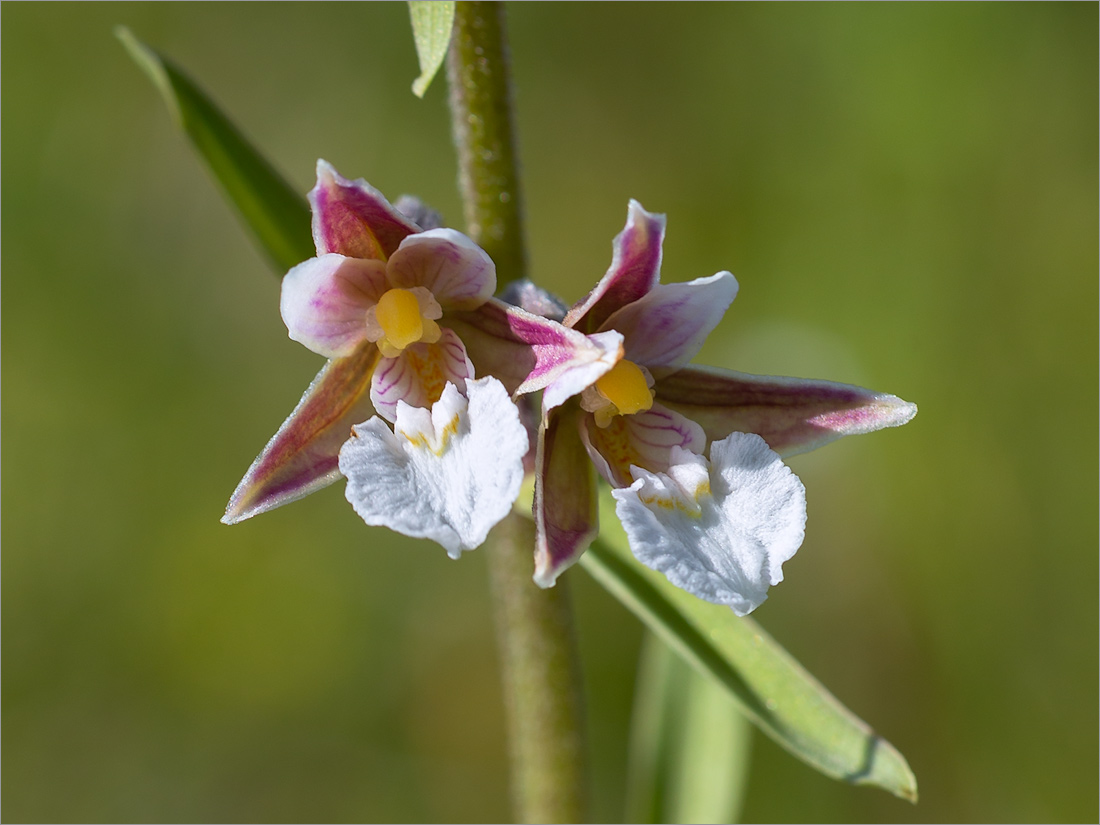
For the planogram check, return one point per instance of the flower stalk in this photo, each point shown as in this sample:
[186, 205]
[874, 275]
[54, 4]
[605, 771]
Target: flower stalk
[479, 78]
[539, 664]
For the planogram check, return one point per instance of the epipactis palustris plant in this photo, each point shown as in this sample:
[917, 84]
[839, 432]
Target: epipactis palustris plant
[718, 524]
[405, 316]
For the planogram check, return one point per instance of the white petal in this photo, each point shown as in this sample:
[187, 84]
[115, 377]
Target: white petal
[458, 272]
[666, 327]
[325, 300]
[646, 439]
[418, 375]
[582, 373]
[448, 475]
[720, 529]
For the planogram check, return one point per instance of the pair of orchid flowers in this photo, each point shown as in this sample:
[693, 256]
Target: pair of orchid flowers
[426, 368]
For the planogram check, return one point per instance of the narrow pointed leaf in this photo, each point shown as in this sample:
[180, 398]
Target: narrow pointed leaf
[432, 23]
[772, 689]
[277, 214]
[689, 744]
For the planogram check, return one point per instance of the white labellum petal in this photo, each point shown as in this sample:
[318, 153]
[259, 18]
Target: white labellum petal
[448, 474]
[720, 529]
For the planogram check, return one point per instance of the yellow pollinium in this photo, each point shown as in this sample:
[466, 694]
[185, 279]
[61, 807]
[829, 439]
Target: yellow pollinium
[625, 386]
[398, 314]
[403, 317]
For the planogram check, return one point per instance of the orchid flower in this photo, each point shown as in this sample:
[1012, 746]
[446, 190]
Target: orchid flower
[719, 527]
[405, 315]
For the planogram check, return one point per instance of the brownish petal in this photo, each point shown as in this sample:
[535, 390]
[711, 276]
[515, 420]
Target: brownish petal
[635, 269]
[353, 218]
[302, 456]
[793, 415]
[565, 495]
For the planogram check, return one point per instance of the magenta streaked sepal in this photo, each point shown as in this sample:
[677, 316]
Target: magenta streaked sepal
[325, 299]
[418, 375]
[565, 508]
[353, 218]
[645, 440]
[527, 352]
[666, 327]
[793, 415]
[458, 272]
[635, 269]
[302, 457]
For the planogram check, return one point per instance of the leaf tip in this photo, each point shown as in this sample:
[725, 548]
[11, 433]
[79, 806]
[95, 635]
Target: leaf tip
[888, 769]
[151, 63]
[432, 25]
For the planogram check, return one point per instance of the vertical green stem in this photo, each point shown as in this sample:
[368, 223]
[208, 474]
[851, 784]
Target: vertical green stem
[541, 681]
[534, 627]
[479, 74]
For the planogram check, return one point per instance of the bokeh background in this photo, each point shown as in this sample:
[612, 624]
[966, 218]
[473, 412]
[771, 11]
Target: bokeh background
[908, 197]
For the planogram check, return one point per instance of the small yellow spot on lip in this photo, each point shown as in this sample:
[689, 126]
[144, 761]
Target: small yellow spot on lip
[437, 444]
[398, 314]
[625, 386]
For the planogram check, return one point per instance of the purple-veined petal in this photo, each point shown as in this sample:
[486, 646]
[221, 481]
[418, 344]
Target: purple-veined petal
[582, 373]
[325, 300]
[418, 375]
[722, 529]
[635, 269]
[456, 270]
[529, 353]
[448, 474]
[645, 439]
[566, 515]
[664, 328]
[302, 456]
[353, 218]
[794, 415]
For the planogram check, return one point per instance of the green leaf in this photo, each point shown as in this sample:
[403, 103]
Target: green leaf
[277, 214]
[689, 744]
[772, 689]
[432, 23]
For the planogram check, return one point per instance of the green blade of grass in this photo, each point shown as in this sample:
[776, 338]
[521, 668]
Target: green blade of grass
[689, 744]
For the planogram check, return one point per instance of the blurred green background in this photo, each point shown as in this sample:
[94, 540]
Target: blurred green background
[908, 197]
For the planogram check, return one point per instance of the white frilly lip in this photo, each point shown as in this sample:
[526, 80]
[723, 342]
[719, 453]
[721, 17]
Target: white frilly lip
[719, 529]
[448, 474]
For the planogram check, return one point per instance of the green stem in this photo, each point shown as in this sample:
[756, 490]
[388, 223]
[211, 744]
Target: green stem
[539, 663]
[479, 74]
[541, 678]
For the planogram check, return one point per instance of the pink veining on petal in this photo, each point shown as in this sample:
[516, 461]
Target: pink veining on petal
[353, 218]
[419, 374]
[664, 328]
[565, 496]
[793, 415]
[528, 352]
[324, 300]
[458, 272]
[635, 269]
[302, 456]
[645, 440]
